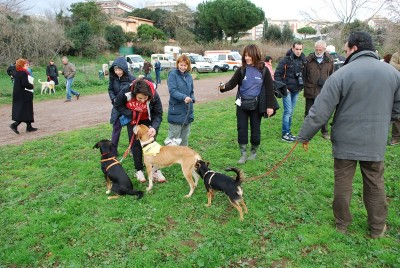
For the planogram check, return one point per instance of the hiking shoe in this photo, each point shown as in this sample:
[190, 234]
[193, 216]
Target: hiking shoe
[326, 136]
[14, 128]
[158, 176]
[379, 235]
[394, 141]
[67, 100]
[288, 137]
[77, 96]
[140, 176]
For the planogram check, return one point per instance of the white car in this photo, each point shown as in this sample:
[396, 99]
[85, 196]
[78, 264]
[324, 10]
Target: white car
[135, 62]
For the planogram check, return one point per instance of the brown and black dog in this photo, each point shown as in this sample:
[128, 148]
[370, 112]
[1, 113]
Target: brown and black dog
[156, 156]
[214, 181]
[117, 179]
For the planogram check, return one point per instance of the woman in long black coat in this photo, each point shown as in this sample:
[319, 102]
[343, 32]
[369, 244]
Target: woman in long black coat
[22, 105]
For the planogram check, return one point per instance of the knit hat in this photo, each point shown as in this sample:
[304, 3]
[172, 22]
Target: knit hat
[330, 49]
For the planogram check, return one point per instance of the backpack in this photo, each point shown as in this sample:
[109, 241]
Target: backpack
[11, 70]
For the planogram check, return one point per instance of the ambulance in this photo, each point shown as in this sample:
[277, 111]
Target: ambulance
[232, 58]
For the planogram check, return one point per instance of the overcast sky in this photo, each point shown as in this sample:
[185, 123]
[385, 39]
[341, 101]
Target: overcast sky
[274, 9]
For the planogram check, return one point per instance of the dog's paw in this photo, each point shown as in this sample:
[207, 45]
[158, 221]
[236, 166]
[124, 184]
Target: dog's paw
[148, 189]
[108, 191]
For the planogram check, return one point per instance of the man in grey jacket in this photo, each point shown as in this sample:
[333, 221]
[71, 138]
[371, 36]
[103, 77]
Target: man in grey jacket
[364, 95]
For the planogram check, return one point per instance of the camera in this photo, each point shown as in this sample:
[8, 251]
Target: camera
[299, 78]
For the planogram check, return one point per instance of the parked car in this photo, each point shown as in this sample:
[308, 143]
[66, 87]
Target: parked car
[167, 60]
[217, 66]
[135, 62]
[198, 63]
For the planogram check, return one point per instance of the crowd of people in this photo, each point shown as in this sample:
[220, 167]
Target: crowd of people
[360, 110]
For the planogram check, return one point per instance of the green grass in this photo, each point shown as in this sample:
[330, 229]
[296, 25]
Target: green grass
[54, 211]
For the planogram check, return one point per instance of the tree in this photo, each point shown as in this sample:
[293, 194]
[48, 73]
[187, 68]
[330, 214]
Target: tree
[238, 16]
[81, 34]
[287, 34]
[273, 33]
[148, 33]
[306, 30]
[91, 13]
[206, 22]
[114, 35]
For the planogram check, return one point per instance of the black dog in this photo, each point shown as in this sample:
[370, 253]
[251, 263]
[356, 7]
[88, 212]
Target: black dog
[214, 181]
[115, 175]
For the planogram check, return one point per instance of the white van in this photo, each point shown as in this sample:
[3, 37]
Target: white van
[167, 60]
[198, 63]
[135, 62]
[232, 58]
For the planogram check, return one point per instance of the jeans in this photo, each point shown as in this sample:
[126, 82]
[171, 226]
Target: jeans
[158, 77]
[374, 196]
[69, 88]
[179, 131]
[289, 103]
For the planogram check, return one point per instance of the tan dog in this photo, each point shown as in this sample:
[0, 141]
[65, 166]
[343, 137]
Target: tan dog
[167, 156]
[50, 86]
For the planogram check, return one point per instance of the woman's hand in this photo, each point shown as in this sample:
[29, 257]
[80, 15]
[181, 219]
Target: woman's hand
[270, 111]
[151, 132]
[188, 100]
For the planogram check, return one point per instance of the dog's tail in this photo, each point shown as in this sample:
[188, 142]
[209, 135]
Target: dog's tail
[239, 174]
[40, 81]
[134, 192]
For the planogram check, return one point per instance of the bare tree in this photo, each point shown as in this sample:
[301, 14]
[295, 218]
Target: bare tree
[14, 6]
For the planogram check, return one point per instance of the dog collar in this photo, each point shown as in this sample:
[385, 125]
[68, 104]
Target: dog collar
[149, 141]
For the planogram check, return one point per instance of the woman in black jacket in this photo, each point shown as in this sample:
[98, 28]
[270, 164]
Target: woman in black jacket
[255, 86]
[22, 104]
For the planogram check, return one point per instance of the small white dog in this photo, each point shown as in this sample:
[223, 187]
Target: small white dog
[50, 86]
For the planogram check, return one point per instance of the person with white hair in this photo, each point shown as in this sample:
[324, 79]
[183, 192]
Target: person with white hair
[338, 60]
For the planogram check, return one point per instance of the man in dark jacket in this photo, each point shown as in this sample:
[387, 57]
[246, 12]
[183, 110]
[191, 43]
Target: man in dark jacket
[290, 71]
[120, 80]
[319, 67]
[364, 95]
[52, 72]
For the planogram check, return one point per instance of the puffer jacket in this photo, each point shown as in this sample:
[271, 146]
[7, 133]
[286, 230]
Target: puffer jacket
[364, 94]
[316, 74]
[288, 69]
[180, 86]
[117, 84]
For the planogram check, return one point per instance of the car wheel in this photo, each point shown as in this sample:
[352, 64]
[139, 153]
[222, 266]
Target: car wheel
[194, 70]
[216, 69]
[235, 68]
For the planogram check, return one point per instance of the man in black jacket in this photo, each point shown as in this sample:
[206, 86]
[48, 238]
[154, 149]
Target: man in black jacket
[290, 71]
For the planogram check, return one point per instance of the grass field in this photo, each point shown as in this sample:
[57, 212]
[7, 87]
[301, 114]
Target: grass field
[54, 211]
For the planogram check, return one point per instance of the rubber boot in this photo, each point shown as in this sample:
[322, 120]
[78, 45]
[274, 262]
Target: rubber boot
[243, 149]
[29, 128]
[253, 152]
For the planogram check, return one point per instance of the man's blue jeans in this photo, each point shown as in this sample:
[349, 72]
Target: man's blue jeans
[289, 103]
[69, 88]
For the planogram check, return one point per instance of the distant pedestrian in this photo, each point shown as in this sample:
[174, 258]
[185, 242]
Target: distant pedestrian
[22, 103]
[147, 67]
[69, 72]
[52, 72]
[157, 70]
[268, 64]
[12, 71]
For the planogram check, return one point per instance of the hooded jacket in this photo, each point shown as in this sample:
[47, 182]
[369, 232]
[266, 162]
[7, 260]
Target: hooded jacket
[363, 95]
[288, 70]
[117, 84]
[316, 74]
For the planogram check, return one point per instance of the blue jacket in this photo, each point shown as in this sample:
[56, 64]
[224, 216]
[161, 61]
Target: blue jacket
[180, 86]
[117, 84]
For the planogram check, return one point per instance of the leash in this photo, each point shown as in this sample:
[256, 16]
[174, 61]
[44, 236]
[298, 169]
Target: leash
[305, 146]
[131, 141]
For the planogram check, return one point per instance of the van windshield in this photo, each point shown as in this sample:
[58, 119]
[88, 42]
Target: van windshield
[137, 59]
[199, 58]
[237, 56]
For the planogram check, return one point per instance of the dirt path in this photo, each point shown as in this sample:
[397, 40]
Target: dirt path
[55, 116]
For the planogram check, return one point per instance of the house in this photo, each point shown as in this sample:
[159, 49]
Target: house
[130, 23]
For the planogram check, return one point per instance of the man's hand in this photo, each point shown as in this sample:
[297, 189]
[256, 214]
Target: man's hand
[305, 145]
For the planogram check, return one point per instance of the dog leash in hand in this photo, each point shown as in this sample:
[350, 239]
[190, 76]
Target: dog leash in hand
[131, 141]
[276, 166]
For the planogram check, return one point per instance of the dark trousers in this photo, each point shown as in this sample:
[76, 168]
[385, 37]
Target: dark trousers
[116, 133]
[374, 196]
[396, 129]
[309, 103]
[136, 148]
[243, 118]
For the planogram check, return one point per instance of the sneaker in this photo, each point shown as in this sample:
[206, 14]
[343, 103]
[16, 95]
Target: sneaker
[288, 137]
[394, 141]
[158, 176]
[77, 96]
[291, 135]
[140, 176]
[326, 136]
[14, 128]
[67, 100]
[379, 235]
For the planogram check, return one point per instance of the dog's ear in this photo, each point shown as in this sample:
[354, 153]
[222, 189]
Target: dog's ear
[207, 163]
[198, 164]
[97, 145]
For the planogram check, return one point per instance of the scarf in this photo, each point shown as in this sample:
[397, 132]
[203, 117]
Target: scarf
[138, 109]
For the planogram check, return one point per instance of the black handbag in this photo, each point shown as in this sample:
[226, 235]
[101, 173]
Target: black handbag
[280, 89]
[248, 103]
